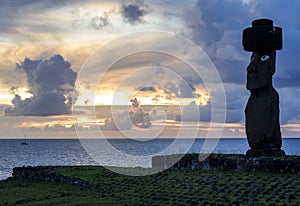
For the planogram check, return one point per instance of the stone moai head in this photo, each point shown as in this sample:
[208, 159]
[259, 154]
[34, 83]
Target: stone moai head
[262, 39]
[261, 69]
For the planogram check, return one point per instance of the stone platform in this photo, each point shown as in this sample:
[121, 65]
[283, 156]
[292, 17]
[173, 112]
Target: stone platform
[283, 164]
[265, 153]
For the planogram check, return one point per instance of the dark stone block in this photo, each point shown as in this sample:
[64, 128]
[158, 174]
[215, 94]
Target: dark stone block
[265, 153]
[262, 36]
[262, 22]
[270, 163]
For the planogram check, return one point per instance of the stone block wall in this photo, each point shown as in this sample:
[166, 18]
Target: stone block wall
[287, 164]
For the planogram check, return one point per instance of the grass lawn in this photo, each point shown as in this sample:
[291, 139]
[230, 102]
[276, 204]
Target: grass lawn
[170, 187]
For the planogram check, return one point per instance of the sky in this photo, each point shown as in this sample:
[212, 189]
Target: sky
[45, 44]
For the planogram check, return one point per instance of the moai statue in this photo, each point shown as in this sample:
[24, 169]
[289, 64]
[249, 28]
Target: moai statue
[262, 110]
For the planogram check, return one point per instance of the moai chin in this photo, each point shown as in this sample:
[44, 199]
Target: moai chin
[262, 110]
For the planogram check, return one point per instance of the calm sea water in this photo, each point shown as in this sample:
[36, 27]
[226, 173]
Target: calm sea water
[71, 152]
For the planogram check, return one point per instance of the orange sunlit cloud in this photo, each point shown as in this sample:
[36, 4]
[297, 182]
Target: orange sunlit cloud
[67, 123]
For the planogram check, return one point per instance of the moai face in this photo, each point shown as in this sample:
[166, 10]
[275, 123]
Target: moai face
[260, 69]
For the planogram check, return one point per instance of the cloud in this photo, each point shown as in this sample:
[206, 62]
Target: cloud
[22, 12]
[122, 122]
[91, 19]
[58, 127]
[20, 3]
[157, 94]
[235, 105]
[51, 84]
[236, 97]
[125, 120]
[147, 89]
[217, 25]
[289, 104]
[189, 113]
[100, 22]
[134, 11]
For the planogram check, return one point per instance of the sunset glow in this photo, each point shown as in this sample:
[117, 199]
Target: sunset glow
[45, 47]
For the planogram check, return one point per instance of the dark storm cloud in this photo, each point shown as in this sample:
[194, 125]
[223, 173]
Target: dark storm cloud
[51, 84]
[134, 11]
[286, 15]
[217, 25]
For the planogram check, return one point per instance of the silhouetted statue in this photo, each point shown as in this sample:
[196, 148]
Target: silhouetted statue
[262, 110]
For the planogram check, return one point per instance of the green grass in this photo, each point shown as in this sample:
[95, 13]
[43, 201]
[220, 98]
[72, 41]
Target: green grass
[26, 192]
[171, 187]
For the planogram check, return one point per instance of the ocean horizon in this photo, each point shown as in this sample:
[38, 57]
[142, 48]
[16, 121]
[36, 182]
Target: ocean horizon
[70, 151]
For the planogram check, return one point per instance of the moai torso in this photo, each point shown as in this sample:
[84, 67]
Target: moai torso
[262, 110]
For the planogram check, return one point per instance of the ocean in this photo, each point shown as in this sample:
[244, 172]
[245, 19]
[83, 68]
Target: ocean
[71, 152]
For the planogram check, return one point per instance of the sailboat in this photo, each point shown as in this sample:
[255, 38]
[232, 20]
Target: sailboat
[24, 142]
